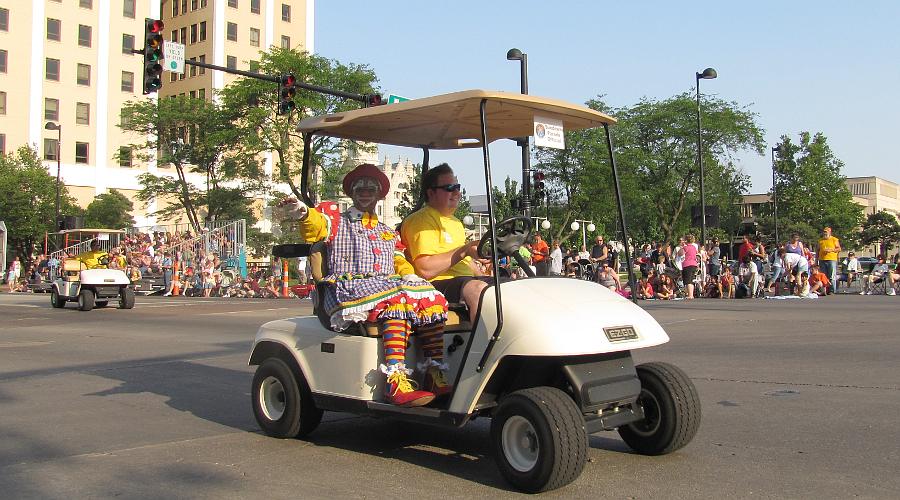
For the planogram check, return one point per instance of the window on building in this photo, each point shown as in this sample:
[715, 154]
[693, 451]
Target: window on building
[50, 149]
[84, 35]
[83, 74]
[254, 6]
[52, 69]
[193, 33]
[4, 19]
[254, 37]
[127, 44]
[87, 4]
[128, 8]
[231, 62]
[202, 4]
[82, 113]
[183, 35]
[194, 4]
[202, 30]
[233, 3]
[285, 42]
[201, 94]
[3, 58]
[127, 81]
[174, 36]
[124, 119]
[231, 32]
[81, 152]
[53, 29]
[254, 66]
[285, 12]
[125, 157]
[2, 102]
[2, 143]
[173, 77]
[193, 68]
[182, 76]
[175, 8]
[193, 94]
[183, 6]
[51, 109]
[202, 69]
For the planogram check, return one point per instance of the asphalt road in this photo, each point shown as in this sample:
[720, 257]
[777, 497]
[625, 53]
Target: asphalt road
[800, 400]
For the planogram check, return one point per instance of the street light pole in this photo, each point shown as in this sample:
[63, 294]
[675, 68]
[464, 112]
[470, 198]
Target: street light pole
[58, 129]
[708, 74]
[518, 55]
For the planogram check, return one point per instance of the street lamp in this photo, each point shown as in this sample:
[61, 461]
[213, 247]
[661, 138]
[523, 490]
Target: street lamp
[708, 74]
[518, 55]
[58, 129]
[590, 227]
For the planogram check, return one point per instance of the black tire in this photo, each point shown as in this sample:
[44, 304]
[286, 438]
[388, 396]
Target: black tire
[671, 411]
[101, 303]
[57, 301]
[85, 299]
[283, 406]
[126, 298]
[550, 422]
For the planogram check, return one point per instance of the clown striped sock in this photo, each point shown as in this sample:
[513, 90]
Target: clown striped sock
[394, 333]
[432, 337]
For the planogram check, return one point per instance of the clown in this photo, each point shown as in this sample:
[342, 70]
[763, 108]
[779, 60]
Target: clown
[372, 281]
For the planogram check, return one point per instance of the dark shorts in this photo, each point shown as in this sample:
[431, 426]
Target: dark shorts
[452, 288]
[687, 274]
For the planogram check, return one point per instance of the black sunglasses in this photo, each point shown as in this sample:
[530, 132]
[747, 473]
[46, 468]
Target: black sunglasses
[450, 188]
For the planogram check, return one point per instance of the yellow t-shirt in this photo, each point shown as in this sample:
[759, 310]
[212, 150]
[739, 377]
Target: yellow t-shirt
[427, 232]
[827, 248]
[91, 258]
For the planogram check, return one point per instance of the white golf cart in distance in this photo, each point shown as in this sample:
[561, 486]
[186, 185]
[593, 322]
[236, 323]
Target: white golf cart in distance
[74, 282]
[548, 359]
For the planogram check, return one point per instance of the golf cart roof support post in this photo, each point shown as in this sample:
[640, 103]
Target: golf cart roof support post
[615, 171]
[304, 171]
[421, 198]
[495, 259]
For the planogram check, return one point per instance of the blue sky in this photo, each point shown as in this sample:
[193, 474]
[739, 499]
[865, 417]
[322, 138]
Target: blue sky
[823, 66]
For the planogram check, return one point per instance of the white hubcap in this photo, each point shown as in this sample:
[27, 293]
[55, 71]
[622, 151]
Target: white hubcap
[271, 398]
[520, 443]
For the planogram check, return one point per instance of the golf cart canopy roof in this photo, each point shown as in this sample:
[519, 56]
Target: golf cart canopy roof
[452, 121]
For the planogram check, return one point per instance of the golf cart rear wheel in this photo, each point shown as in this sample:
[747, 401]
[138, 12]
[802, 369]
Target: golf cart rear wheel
[86, 300]
[539, 439]
[57, 301]
[126, 298]
[671, 411]
[282, 405]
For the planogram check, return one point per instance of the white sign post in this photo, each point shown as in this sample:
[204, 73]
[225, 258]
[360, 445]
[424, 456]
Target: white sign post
[173, 57]
[548, 133]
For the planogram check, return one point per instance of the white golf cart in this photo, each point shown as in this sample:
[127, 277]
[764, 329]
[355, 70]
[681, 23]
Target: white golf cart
[74, 282]
[547, 359]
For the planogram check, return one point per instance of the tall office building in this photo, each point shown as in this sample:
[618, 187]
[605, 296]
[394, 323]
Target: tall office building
[69, 63]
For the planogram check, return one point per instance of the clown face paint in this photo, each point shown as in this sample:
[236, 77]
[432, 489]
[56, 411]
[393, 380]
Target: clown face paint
[365, 194]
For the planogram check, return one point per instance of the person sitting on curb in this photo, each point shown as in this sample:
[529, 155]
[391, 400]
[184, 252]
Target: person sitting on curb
[372, 281]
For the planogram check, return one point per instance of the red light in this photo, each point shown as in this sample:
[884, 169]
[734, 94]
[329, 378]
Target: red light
[157, 26]
[288, 80]
[538, 176]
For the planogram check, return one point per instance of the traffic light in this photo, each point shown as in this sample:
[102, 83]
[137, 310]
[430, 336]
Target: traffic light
[153, 47]
[373, 100]
[537, 190]
[286, 93]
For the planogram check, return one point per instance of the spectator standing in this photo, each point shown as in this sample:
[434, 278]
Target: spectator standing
[541, 256]
[599, 252]
[689, 263]
[714, 256]
[13, 273]
[745, 249]
[795, 245]
[829, 248]
[167, 265]
[556, 259]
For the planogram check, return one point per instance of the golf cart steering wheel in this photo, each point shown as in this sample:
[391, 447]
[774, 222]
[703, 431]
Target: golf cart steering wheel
[512, 233]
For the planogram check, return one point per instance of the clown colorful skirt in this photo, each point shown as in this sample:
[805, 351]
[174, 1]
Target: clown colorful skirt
[359, 298]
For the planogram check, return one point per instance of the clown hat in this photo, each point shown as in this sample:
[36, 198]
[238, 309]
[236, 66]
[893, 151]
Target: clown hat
[370, 171]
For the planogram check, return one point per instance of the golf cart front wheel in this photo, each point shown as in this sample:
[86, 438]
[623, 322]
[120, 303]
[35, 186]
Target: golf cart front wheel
[86, 300]
[126, 298]
[57, 301]
[671, 411]
[282, 405]
[538, 438]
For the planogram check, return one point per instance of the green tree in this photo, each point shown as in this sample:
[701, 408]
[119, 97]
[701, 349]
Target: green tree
[110, 210]
[413, 189]
[28, 201]
[812, 193]
[253, 102]
[194, 136]
[656, 151]
[882, 229]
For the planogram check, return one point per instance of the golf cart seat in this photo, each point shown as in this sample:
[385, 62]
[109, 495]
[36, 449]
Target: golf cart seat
[457, 316]
[72, 269]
